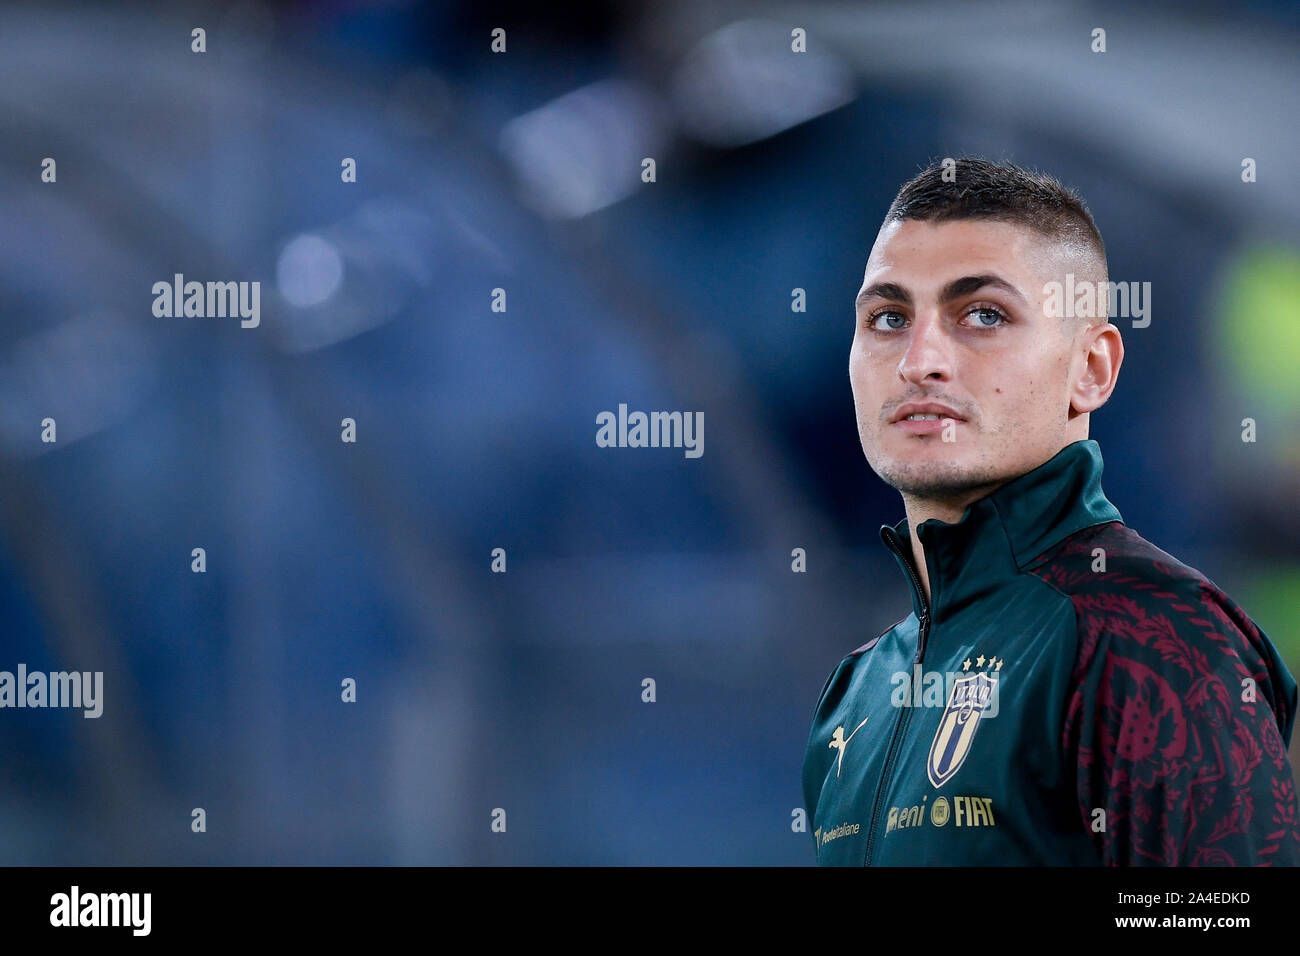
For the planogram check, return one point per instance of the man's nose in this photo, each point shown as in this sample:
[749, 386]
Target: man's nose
[928, 356]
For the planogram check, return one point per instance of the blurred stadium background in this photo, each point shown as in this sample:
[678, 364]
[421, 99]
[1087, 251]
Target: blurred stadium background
[476, 429]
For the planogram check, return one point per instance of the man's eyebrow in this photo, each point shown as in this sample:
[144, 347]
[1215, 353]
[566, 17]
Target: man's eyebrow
[890, 291]
[956, 289]
[964, 286]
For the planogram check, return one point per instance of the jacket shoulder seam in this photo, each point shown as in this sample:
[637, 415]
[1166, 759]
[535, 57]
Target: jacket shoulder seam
[875, 640]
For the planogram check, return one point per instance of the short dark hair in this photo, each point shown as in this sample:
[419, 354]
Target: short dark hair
[1003, 192]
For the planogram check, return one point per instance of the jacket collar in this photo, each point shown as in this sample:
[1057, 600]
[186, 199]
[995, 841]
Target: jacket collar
[1002, 532]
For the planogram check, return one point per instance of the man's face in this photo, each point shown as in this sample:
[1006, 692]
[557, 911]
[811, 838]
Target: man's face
[951, 315]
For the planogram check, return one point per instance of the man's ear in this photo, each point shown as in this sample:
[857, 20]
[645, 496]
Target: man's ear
[1097, 360]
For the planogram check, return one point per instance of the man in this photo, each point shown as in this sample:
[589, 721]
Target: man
[1063, 692]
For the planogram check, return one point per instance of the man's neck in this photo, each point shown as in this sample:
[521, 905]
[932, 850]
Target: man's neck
[948, 510]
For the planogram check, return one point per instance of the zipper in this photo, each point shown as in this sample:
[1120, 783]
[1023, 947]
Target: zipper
[923, 630]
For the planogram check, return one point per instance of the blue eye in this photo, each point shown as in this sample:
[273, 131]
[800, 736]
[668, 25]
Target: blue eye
[889, 317]
[985, 311]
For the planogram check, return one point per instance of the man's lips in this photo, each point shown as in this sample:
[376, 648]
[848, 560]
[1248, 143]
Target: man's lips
[925, 426]
[924, 408]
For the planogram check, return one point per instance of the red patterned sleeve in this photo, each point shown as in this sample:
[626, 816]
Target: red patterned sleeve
[1177, 719]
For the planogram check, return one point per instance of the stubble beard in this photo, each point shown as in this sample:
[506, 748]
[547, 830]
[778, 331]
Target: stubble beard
[943, 481]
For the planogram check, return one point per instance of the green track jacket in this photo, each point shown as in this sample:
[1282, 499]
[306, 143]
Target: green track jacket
[1069, 695]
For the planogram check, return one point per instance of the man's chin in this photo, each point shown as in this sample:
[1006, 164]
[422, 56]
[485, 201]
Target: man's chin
[936, 473]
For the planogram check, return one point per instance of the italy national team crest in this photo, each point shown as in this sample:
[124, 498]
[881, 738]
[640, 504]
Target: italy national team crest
[970, 698]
